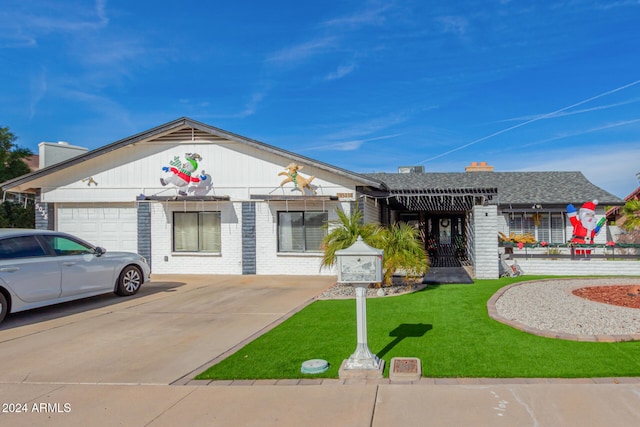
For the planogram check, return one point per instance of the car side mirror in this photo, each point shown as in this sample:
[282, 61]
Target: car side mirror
[100, 251]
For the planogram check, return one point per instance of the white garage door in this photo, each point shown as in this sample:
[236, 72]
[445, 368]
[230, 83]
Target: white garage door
[112, 226]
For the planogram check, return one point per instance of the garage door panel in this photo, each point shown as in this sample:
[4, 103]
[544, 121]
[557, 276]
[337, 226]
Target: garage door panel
[109, 227]
[113, 227]
[88, 227]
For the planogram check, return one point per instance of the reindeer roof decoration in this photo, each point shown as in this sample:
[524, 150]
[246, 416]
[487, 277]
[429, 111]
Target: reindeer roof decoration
[299, 181]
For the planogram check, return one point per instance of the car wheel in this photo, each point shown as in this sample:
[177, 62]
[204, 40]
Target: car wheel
[4, 307]
[129, 281]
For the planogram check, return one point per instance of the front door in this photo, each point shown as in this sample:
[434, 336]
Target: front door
[444, 231]
[446, 243]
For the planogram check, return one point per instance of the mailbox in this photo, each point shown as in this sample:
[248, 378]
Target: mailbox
[359, 263]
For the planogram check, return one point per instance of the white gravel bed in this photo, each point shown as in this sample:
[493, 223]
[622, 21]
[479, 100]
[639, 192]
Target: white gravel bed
[549, 305]
[345, 291]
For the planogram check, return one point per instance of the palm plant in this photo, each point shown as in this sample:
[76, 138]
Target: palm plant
[345, 231]
[403, 250]
[631, 211]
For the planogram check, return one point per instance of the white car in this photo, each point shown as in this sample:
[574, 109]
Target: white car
[42, 267]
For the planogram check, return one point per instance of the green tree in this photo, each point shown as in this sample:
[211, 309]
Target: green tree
[16, 215]
[12, 157]
[403, 249]
[12, 165]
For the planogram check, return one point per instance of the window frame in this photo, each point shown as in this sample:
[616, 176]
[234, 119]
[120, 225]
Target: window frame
[198, 233]
[304, 227]
[526, 224]
[22, 253]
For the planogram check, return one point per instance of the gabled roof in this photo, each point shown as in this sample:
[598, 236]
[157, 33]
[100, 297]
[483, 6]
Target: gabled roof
[514, 188]
[187, 127]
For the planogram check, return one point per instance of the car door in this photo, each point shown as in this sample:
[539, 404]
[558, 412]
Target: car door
[28, 270]
[83, 270]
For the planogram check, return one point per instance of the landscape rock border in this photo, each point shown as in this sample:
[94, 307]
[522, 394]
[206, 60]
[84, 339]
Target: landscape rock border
[548, 308]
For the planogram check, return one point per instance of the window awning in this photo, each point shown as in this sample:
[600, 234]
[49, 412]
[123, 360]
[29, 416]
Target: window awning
[184, 198]
[280, 197]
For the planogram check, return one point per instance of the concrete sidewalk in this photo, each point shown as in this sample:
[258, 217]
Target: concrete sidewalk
[111, 361]
[329, 403]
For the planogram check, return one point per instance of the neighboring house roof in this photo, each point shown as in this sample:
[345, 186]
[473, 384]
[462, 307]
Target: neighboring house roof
[514, 188]
[33, 162]
[187, 128]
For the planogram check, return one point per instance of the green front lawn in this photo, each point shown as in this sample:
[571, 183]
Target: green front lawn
[447, 327]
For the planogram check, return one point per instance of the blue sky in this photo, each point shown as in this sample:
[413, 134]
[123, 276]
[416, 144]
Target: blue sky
[363, 85]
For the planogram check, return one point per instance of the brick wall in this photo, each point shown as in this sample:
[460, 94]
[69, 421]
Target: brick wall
[144, 230]
[229, 261]
[248, 238]
[45, 214]
[268, 260]
[485, 242]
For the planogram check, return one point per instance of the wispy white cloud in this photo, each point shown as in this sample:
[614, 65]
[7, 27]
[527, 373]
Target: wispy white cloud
[17, 41]
[90, 100]
[331, 34]
[370, 16]
[615, 4]
[207, 109]
[25, 23]
[38, 89]
[112, 52]
[341, 146]
[570, 113]
[252, 105]
[296, 54]
[454, 24]
[353, 136]
[348, 145]
[565, 135]
[528, 122]
[613, 169]
[189, 103]
[341, 71]
[355, 131]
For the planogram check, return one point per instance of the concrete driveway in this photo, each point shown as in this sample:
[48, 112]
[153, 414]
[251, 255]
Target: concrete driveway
[173, 327]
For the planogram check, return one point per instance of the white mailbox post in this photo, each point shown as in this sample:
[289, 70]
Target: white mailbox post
[360, 265]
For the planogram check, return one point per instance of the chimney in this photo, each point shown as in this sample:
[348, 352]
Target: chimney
[410, 169]
[52, 153]
[475, 167]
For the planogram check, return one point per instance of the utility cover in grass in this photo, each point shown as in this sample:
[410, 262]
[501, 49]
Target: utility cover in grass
[314, 366]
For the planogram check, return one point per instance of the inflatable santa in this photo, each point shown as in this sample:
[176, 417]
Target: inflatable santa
[585, 226]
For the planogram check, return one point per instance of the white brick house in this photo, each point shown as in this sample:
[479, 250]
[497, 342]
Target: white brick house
[239, 220]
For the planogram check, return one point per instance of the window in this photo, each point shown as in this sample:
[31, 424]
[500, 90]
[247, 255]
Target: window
[301, 231]
[545, 227]
[196, 232]
[63, 246]
[20, 247]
